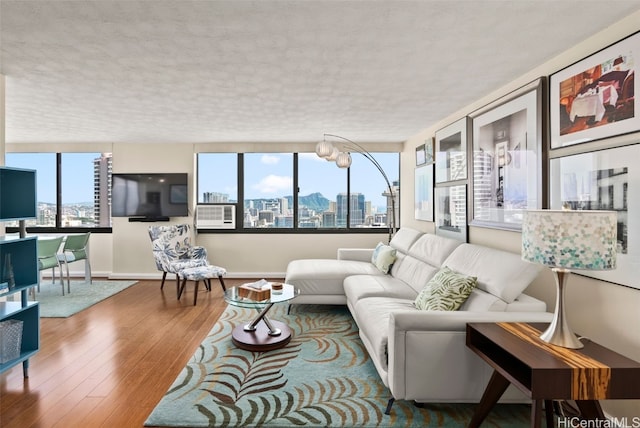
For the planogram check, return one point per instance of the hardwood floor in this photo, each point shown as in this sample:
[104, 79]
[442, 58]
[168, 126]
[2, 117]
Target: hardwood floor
[109, 365]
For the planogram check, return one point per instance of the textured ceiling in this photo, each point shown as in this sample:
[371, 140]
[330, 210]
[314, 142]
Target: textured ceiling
[269, 71]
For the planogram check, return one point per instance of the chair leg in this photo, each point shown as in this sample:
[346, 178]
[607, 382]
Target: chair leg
[181, 288]
[178, 289]
[62, 278]
[87, 271]
[224, 288]
[68, 279]
[207, 283]
[164, 275]
[195, 293]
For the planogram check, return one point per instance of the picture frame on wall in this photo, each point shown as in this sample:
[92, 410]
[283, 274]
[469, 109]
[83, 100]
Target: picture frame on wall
[604, 180]
[424, 193]
[507, 140]
[450, 203]
[421, 155]
[428, 150]
[594, 98]
[451, 152]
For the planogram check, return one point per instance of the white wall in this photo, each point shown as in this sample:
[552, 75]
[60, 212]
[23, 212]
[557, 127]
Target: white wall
[243, 255]
[2, 119]
[607, 313]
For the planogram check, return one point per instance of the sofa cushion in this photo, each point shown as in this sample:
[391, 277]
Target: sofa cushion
[446, 291]
[372, 316]
[325, 276]
[383, 257]
[433, 249]
[500, 273]
[481, 301]
[423, 260]
[404, 239]
[414, 272]
[357, 287]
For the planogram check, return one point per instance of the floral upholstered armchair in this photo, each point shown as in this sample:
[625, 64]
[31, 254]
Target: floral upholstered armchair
[173, 252]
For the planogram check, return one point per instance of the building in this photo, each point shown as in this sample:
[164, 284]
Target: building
[102, 168]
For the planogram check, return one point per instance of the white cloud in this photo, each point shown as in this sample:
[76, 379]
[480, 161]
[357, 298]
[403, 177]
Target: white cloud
[269, 160]
[275, 184]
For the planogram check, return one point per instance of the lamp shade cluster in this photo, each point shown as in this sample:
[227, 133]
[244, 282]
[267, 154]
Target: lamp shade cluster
[583, 240]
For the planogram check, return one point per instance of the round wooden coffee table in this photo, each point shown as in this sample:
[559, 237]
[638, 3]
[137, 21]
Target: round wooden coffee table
[262, 333]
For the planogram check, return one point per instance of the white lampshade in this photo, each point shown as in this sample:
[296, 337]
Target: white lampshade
[334, 155]
[324, 149]
[570, 239]
[343, 160]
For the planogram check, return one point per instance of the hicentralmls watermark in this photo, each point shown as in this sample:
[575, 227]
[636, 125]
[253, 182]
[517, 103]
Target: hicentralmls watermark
[576, 422]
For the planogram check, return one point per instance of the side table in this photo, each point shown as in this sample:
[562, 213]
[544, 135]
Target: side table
[262, 333]
[546, 372]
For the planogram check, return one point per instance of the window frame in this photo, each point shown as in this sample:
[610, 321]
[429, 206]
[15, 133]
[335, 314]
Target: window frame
[58, 228]
[239, 205]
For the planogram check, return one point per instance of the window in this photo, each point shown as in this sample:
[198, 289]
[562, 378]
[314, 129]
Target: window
[268, 190]
[217, 178]
[320, 184]
[81, 198]
[328, 198]
[370, 203]
[45, 166]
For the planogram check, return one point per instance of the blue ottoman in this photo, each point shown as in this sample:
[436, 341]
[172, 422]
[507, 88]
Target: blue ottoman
[201, 273]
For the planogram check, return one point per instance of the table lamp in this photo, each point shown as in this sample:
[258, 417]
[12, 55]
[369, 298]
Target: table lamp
[568, 240]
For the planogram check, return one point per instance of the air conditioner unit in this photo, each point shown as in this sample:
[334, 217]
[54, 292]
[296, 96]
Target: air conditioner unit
[216, 217]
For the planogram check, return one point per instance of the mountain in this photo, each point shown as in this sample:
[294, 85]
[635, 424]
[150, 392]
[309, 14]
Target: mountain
[314, 201]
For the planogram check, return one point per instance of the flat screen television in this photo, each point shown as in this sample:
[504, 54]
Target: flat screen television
[17, 193]
[153, 196]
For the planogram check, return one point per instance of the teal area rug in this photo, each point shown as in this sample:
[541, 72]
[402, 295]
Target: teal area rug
[83, 295]
[322, 378]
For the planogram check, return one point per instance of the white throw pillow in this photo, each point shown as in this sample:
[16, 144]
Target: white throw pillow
[383, 257]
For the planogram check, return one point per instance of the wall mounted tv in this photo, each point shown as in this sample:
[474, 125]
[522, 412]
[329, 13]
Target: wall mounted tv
[149, 197]
[17, 193]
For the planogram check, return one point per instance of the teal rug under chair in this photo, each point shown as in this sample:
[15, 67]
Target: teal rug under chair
[322, 378]
[83, 295]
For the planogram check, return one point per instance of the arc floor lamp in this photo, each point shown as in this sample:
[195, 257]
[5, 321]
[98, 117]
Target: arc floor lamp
[327, 150]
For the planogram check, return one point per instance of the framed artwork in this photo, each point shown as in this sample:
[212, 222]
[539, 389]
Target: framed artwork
[507, 158]
[424, 193]
[451, 152]
[604, 180]
[428, 150]
[594, 98]
[451, 211]
[421, 155]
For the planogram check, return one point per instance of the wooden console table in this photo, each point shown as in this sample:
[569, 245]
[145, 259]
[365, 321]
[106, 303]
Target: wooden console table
[546, 372]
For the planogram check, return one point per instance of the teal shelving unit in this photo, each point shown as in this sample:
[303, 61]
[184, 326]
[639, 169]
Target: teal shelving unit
[19, 262]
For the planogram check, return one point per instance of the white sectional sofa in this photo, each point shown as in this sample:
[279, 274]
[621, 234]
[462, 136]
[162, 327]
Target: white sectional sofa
[421, 355]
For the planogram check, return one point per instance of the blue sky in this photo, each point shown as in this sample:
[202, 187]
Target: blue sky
[267, 175]
[77, 180]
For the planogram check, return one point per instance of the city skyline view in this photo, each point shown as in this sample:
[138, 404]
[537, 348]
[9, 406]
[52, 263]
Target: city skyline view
[267, 177]
[270, 175]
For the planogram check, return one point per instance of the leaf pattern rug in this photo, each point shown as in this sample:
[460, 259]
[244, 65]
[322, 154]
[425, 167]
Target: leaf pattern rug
[322, 378]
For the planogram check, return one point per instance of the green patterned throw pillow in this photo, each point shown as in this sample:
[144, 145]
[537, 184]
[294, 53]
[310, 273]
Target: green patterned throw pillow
[383, 257]
[446, 291]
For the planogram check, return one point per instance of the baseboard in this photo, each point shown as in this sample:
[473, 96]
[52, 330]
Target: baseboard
[158, 276]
